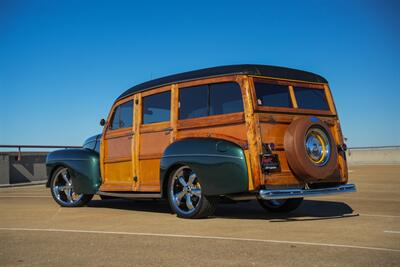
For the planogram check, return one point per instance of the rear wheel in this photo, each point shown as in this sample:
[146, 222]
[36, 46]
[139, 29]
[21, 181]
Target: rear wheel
[186, 197]
[63, 192]
[280, 205]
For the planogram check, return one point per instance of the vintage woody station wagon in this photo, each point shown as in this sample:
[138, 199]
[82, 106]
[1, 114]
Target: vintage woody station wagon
[239, 132]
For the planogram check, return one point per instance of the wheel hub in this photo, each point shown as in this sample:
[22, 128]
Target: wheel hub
[317, 146]
[185, 190]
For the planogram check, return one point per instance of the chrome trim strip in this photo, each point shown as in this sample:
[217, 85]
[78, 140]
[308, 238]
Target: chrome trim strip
[296, 193]
[202, 155]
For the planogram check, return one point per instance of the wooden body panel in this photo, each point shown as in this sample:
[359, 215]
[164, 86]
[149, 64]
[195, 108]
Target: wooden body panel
[153, 139]
[130, 159]
[116, 156]
[119, 176]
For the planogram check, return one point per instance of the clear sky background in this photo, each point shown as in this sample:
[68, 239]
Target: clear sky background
[63, 63]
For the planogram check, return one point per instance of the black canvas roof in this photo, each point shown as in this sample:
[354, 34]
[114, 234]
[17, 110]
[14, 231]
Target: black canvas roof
[246, 69]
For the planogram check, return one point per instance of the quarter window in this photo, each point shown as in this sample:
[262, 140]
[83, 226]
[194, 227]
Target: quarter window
[309, 98]
[273, 95]
[157, 108]
[123, 115]
[206, 100]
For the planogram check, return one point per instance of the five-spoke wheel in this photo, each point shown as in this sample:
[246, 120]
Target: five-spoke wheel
[63, 192]
[186, 197]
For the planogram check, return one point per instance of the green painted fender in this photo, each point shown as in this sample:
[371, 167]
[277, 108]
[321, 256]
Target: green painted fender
[219, 164]
[83, 165]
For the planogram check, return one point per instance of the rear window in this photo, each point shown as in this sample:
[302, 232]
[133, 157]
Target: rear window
[157, 108]
[309, 98]
[273, 95]
[206, 100]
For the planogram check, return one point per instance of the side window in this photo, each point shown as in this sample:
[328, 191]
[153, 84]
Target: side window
[272, 95]
[309, 98]
[193, 102]
[225, 98]
[213, 99]
[123, 116]
[157, 108]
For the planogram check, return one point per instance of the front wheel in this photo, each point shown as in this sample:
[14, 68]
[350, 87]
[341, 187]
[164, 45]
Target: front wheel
[185, 195]
[280, 205]
[63, 192]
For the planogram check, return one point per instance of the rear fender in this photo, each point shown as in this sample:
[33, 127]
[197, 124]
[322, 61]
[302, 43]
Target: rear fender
[83, 165]
[219, 164]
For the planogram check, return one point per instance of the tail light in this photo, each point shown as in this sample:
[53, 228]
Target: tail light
[342, 147]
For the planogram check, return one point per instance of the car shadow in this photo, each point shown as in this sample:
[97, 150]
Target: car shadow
[308, 210]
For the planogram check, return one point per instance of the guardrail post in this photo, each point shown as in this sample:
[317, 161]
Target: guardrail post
[4, 169]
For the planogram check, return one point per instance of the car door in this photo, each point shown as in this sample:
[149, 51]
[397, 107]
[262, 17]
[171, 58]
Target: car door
[155, 136]
[118, 144]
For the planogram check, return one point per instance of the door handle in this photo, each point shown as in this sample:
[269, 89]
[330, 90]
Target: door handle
[168, 130]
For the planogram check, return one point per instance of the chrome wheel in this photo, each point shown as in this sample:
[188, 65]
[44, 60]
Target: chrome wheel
[185, 191]
[63, 189]
[317, 146]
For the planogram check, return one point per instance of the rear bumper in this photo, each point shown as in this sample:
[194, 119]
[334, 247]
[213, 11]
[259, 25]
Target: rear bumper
[298, 193]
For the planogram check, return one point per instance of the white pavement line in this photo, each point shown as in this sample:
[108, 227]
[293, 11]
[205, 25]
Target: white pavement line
[392, 232]
[380, 215]
[23, 196]
[202, 237]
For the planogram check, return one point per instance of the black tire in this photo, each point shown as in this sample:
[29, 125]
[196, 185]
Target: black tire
[102, 197]
[281, 205]
[61, 196]
[203, 206]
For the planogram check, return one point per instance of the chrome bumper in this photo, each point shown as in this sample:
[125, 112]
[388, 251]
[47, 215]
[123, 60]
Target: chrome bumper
[297, 193]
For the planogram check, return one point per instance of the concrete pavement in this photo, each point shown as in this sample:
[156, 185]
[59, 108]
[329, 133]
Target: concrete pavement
[360, 229]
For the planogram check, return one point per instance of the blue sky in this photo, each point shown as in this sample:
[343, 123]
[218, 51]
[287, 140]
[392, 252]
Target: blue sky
[63, 63]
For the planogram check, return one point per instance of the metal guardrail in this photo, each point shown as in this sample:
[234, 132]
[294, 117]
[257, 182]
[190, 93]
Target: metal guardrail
[37, 146]
[34, 146]
[24, 164]
[374, 147]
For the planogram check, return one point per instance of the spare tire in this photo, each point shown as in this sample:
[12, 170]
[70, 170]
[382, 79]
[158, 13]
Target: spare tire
[310, 149]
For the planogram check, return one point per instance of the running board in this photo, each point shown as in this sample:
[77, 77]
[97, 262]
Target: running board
[129, 195]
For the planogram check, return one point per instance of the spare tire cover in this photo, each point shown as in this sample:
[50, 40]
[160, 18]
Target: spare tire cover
[311, 150]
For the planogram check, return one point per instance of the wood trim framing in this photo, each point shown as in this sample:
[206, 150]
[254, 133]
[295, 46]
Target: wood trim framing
[293, 97]
[229, 78]
[249, 137]
[174, 111]
[287, 80]
[210, 121]
[136, 145]
[329, 98]
[253, 129]
[156, 91]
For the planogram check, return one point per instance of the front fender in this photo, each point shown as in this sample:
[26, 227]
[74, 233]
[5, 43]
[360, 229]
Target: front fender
[220, 165]
[83, 165]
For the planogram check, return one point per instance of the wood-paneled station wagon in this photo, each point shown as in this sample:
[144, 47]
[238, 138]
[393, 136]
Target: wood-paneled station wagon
[239, 132]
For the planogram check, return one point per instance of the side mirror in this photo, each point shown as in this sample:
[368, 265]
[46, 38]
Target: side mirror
[102, 122]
